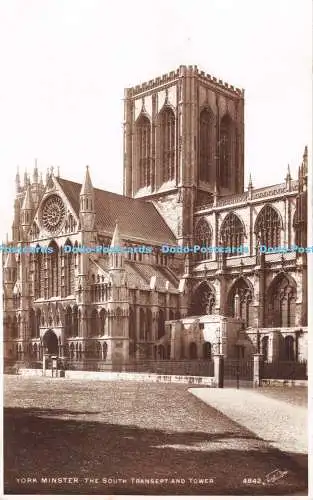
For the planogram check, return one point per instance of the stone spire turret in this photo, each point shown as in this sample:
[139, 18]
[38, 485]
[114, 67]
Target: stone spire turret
[116, 256]
[87, 203]
[27, 210]
[18, 181]
[288, 178]
[35, 173]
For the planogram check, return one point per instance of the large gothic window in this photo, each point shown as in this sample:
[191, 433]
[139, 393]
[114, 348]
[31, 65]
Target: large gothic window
[268, 227]
[203, 300]
[142, 328]
[239, 301]
[94, 323]
[167, 144]
[143, 130]
[75, 322]
[289, 344]
[206, 145]
[232, 233]
[38, 322]
[102, 317]
[69, 272]
[53, 267]
[161, 324]
[68, 322]
[132, 332]
[38, 274]
[300, 220]
[281, 302]
[225, 151]
[203, 238]
[149, 325]
[32, 323]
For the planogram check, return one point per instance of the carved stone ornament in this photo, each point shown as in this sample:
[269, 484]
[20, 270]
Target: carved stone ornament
[53, 213]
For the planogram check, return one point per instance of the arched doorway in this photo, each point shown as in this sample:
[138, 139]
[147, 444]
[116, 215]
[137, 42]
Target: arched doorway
[289, 348]
[207, 350]
[265, 344]
[50, 343]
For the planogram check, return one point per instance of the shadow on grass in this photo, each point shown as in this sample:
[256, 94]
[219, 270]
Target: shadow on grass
[52, 443]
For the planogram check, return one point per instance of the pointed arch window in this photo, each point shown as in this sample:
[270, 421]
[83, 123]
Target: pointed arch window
[268, 227]
[300, 220]
[203, 300]
[203, 238]
[225, 151]
[161, 323]
[149, 325]
[75, 321]
[143, 130]
[142, 329]
[239, 301]
[53, 267]
[206, 145]
[69, 271]
[68, 322]
[281, 302]
[39, 292]
[232, 234]
[289, 344]
[94, 323]
[167, 144]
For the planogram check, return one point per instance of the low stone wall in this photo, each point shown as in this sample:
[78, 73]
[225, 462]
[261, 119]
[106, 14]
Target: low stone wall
[110, 376]
[282, 382]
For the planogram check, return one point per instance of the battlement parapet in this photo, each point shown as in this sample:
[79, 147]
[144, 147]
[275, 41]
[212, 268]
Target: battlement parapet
[182, 71]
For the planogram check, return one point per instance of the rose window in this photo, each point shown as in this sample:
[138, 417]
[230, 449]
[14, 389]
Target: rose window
[53, 213]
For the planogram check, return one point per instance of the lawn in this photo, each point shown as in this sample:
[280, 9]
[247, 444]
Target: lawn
[131, 438]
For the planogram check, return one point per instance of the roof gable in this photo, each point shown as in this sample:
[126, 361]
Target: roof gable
[137, 219]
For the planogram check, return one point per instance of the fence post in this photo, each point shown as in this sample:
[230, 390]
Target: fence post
[219, 370]
[44, 364]
[257, 369]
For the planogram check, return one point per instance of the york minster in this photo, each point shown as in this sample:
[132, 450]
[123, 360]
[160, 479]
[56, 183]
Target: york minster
[183, 185]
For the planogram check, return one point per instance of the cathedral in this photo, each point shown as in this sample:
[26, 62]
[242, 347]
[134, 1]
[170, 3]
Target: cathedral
[183, 185]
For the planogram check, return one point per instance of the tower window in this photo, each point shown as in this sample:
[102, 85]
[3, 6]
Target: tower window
[143, 128]
[225, 151]
[206, 145]
[167, 143]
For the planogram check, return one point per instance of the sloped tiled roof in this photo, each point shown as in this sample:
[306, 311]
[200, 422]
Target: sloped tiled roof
[137, 219]
[139, 274]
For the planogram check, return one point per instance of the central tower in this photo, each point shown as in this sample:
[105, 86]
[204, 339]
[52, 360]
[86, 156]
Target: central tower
[183, 141]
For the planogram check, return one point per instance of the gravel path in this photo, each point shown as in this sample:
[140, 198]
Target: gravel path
[282, 424]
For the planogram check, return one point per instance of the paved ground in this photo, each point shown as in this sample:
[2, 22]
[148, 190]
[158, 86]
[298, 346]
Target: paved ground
[294, 395]
[121, 434]
[282, 424]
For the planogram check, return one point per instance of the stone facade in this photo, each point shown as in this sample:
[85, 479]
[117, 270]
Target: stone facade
[183, 185]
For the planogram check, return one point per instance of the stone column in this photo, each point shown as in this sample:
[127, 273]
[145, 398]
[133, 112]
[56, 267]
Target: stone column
[257, 369]
[218, 370]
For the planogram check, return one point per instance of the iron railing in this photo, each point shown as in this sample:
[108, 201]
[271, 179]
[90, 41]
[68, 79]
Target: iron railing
[285, 370]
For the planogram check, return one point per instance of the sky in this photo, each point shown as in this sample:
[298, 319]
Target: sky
[65, 64]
